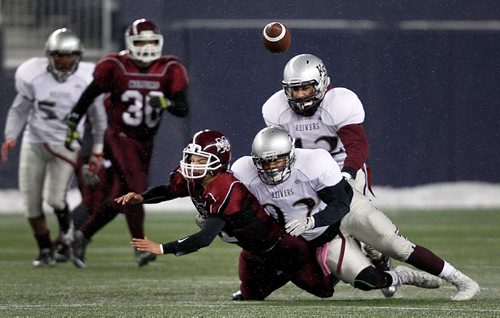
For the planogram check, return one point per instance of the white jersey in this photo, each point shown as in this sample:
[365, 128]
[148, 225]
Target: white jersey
[339, 107]
[297, 196]
[43, 103]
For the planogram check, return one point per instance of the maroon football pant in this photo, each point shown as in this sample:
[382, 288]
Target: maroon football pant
[130, 160]
[290, 260]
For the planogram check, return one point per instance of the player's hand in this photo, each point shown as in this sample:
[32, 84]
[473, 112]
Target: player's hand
[7, 146]
[90, 177]
[298, 226]
[130, 198]
[347, 176]
[71, 132]
[158, 101]
[95, 162]
[146, 245]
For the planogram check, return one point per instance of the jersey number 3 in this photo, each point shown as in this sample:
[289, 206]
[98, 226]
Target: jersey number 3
[139, 109]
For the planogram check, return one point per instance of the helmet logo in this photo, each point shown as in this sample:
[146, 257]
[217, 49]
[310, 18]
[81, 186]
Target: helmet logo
[322, 70]
[222, 144]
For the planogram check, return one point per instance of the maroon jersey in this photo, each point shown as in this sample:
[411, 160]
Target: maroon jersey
[130, 88]
[229, 199]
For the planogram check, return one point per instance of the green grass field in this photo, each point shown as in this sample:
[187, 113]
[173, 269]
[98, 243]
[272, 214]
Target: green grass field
[200, 284]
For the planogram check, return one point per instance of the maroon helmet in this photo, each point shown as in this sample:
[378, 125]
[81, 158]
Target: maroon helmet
[143, 30]
[213, 146]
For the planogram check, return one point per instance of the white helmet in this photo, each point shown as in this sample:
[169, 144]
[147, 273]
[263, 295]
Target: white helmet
[269, 145]
[144, 30]
[63, 41]
[305, 69]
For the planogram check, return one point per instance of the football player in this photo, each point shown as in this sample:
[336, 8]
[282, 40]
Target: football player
[318, 115]
[141, 84]
[269, 259]
[305, 190]
[47, 88]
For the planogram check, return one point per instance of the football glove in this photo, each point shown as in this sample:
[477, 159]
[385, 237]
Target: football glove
[89, 176]
[159, 102]
[298, 226]
[71, 132]
[347, 176]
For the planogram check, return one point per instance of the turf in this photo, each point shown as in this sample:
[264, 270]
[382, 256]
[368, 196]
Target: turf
[200, 284]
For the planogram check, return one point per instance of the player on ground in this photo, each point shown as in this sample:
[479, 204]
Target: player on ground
[303, 188]
[141, 84]
[269, 259]
[47, 88]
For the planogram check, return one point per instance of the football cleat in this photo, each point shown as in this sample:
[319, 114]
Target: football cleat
[408, 276]
[238, 296]
[45, 258]
[143, 258]
[383, 263]
[466, 286]
[78, 246]
[62, 253]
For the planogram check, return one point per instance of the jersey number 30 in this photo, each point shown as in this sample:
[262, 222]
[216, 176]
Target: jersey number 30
[139, 109]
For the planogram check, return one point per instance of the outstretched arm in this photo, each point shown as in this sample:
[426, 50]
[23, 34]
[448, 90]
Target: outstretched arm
[76, 114]
[185, 245]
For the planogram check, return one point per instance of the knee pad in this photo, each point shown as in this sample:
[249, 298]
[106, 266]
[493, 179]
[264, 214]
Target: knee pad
[370, 278]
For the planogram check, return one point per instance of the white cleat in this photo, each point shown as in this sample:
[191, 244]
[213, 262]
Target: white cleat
[408, 276]
[467, 287]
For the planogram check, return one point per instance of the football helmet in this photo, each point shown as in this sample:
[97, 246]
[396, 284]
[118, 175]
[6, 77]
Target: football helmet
[63, 41]
[213, 146]
[305, 69]
[143, 30]
[272, 145]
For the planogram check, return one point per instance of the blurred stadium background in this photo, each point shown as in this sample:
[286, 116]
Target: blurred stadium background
[428, 72]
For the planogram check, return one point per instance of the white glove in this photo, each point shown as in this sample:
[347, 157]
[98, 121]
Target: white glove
[346, 175]
[298, 226]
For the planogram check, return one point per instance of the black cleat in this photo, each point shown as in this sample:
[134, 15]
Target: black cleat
[45, 258]
[143, 258]
[79, 246]
[238, 296]
[62, 253]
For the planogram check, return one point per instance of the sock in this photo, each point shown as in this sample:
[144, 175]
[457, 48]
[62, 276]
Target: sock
[447, 271]
[425, 260]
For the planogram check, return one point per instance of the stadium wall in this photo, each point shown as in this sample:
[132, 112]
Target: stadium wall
[426, 72]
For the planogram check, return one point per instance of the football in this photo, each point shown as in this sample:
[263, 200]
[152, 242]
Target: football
[276, 37]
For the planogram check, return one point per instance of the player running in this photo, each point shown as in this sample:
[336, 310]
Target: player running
[141, 84]
[47, 88]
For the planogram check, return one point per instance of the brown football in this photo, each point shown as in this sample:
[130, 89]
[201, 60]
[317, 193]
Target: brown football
[276, 37]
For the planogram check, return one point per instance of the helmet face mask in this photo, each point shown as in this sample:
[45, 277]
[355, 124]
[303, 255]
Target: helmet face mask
[273, 155]
[302, 70]
[144, 41]
[64, 51]
[208, 153]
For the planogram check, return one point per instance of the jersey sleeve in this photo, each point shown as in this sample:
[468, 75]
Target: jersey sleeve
[104, 73]
[176, 78]
[23, 79]
[273, 107]
[178, 184]
[326, 171]
[346, 107]
[17, 116]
